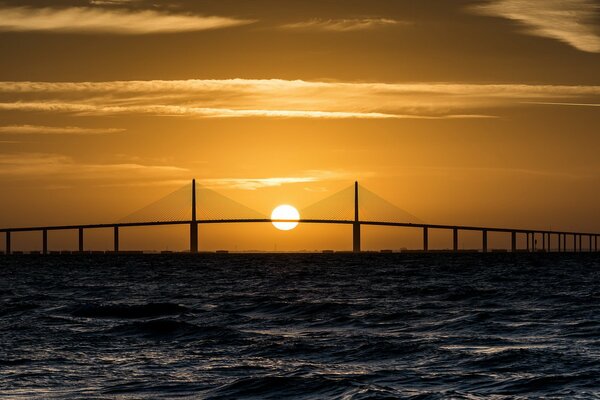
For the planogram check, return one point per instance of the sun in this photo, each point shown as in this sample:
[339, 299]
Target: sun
[288, 213]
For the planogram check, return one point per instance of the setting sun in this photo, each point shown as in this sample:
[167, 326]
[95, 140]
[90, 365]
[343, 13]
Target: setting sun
[285, 212]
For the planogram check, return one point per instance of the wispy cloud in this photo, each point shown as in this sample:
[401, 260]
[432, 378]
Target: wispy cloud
[55, 130]
[548, 103]
[108, 20]
[570, 21]
[63, 168]
[260, 183]
[113, 2]
[236, 98]
[342, 25]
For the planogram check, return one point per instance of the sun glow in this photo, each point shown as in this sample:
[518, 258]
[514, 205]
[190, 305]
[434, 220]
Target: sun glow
[287, 213]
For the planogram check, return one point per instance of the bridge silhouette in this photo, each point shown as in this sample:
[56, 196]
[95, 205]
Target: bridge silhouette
[346, 207]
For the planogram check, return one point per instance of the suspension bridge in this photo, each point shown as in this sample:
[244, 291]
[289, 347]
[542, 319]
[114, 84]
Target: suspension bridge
[354, 206]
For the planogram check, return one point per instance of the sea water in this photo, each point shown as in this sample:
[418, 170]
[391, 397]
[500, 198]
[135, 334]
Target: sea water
[302, 326]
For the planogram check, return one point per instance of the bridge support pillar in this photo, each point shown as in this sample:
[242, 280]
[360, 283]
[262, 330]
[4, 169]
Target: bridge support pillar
[80, 240]
[8, 249]
[560, 247]
[425, 238]
[44, 241]
[590, 249]
[513, 241]
[116, 239]
[544, 241]
[528, 240]
[484, 247]
[580, 243]
[564, 242]
[194, 223]
[455, 239]
[356, 237]
[356, 224]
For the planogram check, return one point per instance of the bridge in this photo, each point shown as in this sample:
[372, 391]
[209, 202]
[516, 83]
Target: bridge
[318, 213]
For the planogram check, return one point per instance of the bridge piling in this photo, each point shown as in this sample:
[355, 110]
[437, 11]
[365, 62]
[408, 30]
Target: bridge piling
[580, 243]
[81, 240]
[425, 239]
[544, 241]
[513, 241]
[527, 240]
[559, 242]
[116, 239]
[455, 239]
[356, 224]
[7, 249]
[44, 241]
[194, 222]
[484, 234]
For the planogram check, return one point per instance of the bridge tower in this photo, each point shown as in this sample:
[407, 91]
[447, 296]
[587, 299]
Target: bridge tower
[356, 224]
[194, 223]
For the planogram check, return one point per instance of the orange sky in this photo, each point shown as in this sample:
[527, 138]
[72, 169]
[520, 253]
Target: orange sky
[462, 112]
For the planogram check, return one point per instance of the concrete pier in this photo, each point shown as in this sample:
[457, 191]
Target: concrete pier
[116, 239]
[543, 242]
[194, 222]
[45, 241]
[425, 239]
[80, 239]
[455, 239]
[513, 241]
[484, 234]
[559, 243]
[8, 249]
[356, 224]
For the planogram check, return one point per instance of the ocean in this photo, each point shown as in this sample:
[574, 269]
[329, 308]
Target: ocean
[300, 326]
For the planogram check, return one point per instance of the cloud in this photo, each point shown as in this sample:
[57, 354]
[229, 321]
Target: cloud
[574, 22]
[200, 112]
[342, 25]
[113, 2]
[450, 171]
[260, 183]
[252, 183]
[103, 20]
[276, 98]
[547, 103]
[56, 130]
[45, 166]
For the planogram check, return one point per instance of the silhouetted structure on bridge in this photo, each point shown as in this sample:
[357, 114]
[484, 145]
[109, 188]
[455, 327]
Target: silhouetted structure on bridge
[357, 222]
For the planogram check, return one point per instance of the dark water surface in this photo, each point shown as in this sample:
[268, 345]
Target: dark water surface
[300, 326]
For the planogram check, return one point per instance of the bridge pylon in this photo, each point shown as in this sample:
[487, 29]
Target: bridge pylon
[356, 224]
[194, 222]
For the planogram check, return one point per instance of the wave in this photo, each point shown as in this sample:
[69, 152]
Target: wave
[127, 311]
[14, 308]
[163, 328]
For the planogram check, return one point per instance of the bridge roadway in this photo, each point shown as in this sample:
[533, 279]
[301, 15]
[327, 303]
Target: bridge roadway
[300, 221]
[546, 234]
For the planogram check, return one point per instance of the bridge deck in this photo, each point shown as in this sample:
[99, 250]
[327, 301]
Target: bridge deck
[302, 221]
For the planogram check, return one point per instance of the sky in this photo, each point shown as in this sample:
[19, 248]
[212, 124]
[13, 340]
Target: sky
[459, 112]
